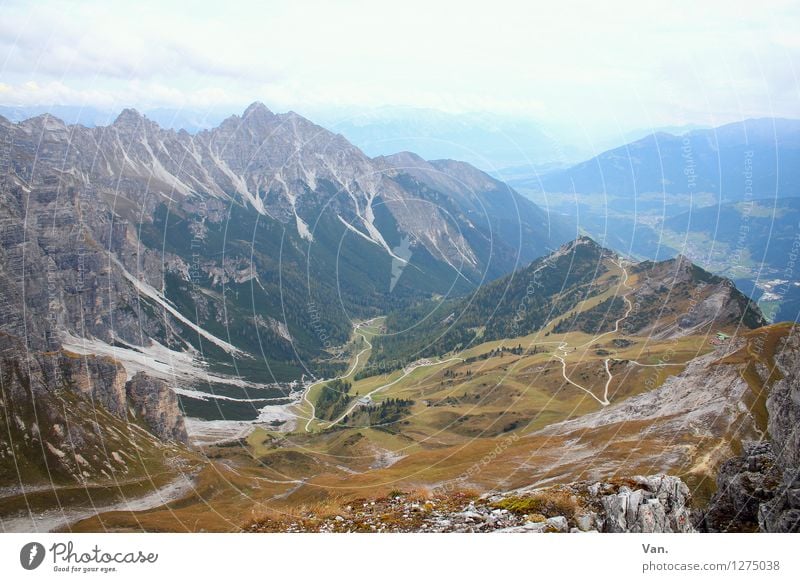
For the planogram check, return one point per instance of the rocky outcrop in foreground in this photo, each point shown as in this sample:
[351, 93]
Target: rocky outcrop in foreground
[655, 504]
[652, 504]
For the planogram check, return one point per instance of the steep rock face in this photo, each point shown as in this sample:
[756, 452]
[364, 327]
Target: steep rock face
[101, 380]
[31, 374]
[156, 404]
[743, 484]
[760, 489]
[65, 261]
[64, 419]
[782, 513]
[783, 403]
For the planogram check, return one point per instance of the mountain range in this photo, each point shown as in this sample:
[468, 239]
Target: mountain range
[234, 260]
[261, 317]
[488, 141]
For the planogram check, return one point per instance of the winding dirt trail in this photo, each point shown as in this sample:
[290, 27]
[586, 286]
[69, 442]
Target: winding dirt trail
[356, 328]
[563, 346]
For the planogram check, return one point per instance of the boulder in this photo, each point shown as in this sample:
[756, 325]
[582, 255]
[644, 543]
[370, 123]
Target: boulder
[658, 504]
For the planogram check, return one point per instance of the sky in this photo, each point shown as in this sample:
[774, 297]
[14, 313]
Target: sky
[621, 64]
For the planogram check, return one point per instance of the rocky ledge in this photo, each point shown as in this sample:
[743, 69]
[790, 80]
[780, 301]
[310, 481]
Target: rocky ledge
[652, 504]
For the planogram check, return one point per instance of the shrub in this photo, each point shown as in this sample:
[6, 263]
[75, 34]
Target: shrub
[546, 503]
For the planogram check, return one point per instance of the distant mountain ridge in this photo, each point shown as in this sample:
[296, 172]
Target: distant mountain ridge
[723, 196]
[756, 158]
[190, 120]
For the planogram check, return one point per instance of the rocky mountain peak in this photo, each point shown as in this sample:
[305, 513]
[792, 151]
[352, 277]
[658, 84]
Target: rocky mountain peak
[44, 123]
[682, 262]
[257, 110]
[585, 240]
[404, 158]
[129, 117]
[581, 241]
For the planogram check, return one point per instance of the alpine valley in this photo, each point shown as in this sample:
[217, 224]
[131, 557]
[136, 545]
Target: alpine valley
[258, 327]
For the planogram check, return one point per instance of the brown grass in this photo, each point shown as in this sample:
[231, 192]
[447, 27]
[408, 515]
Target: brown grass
[550, 503]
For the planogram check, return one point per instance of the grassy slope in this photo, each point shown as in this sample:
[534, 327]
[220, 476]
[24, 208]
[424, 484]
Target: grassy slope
[433, 444]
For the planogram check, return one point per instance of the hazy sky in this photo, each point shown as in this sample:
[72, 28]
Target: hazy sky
[628, 64]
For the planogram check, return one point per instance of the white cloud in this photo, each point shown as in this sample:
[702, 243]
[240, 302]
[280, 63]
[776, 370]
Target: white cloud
[630, 62]
[89, 39]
